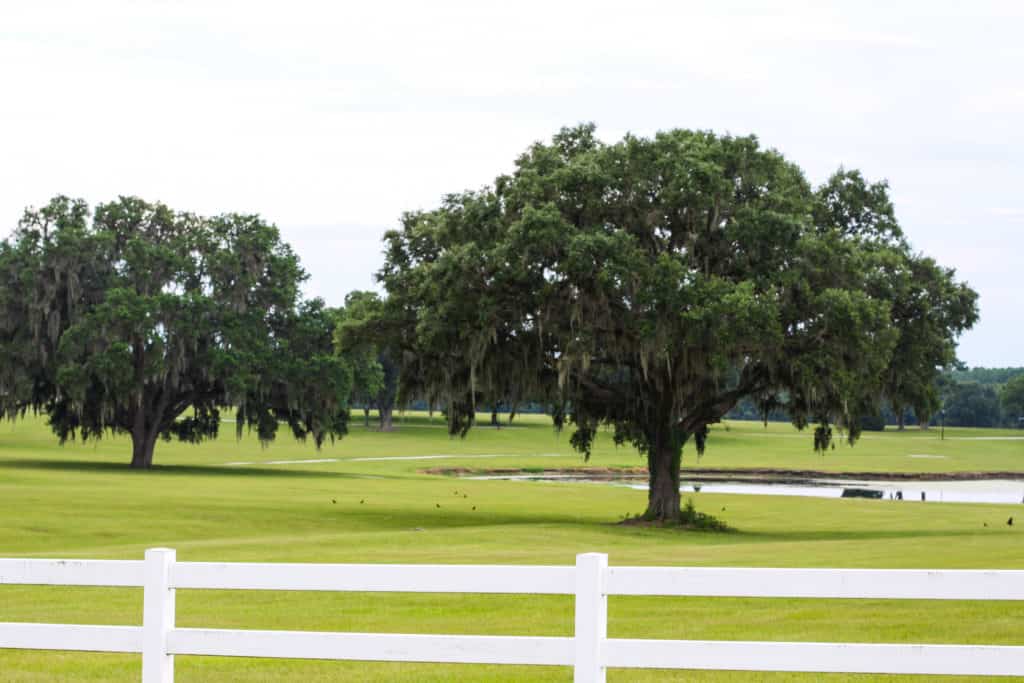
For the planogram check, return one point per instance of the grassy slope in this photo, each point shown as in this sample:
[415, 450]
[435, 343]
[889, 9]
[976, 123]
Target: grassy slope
[80, 501]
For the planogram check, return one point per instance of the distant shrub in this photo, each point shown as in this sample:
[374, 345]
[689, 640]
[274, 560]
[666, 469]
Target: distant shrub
[872, 423]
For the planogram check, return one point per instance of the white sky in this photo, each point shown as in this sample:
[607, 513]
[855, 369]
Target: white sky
[332, 118]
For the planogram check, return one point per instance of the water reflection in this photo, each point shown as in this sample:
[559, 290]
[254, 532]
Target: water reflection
[974, 491]
[977, 491]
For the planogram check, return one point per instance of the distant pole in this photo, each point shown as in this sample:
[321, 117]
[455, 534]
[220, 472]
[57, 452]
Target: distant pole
[942, 423]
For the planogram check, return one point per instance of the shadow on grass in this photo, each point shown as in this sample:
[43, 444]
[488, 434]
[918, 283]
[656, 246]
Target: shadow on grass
[431, 520]
[448, 518]
[476, 513]
[103, 467]
[868, 534]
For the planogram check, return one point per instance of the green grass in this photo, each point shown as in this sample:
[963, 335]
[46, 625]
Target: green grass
[82, 501]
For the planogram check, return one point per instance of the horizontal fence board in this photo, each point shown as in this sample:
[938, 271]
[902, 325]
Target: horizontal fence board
[383, 647]
[966, 660]
[71, 572]
[70, 637]
[424, 578]
[909, 584]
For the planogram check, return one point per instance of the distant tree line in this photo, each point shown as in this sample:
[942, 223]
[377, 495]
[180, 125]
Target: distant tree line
[983, 397]
[970, 397]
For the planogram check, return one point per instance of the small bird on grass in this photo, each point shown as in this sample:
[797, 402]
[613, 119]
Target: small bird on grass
[362, 501]
[1009, 522]
[437, 504]
[333, 501]
[474, 507]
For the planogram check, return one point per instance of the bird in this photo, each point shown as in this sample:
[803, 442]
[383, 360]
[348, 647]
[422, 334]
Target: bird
[1009, 522]
[437, 504]
[334, 501]
[362, 501]
[723, 508]
[474, 507]
[985, 524]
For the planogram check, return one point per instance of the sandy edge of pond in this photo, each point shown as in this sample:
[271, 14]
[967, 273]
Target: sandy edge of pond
[749, 474]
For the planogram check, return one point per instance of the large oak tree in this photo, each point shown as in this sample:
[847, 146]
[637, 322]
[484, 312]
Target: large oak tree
[142, 320]
[651, 284]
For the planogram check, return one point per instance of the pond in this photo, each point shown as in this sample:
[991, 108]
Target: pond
[953, 491]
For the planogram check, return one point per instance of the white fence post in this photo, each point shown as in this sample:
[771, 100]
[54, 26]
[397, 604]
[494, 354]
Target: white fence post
[591, 629]
[157, 617]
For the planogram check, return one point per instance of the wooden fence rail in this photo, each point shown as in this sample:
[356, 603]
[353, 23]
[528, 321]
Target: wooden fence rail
[589, 651]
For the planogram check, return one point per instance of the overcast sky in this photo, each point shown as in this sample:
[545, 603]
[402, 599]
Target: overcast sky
[330, 119]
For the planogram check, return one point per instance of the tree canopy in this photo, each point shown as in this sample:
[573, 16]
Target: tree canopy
[1012, 399]
[651, 284]
[143, 320]
[969, 404]
[929, 309]
[364, 338]
[995, 376]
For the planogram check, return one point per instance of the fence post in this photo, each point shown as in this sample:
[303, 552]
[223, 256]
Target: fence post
[157, 616]
[591, 628]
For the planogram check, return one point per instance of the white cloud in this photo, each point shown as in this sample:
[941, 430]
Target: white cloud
[1008, 212]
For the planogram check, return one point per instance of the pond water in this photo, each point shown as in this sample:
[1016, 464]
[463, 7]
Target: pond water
[973, 491]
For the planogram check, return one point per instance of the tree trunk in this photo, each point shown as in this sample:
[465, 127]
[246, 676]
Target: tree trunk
[386, 419]
[901, 420]
[663, 461]
[143, 446]
[366, 416]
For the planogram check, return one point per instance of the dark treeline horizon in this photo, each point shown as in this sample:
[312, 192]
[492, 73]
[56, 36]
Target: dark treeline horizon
[970, 398]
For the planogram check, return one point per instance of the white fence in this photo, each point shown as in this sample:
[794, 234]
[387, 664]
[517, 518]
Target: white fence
[589, 651]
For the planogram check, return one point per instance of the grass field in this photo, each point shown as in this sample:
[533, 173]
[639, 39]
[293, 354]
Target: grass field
[371, 504]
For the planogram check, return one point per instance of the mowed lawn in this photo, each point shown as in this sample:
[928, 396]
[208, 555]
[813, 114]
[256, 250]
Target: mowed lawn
[356, 506]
